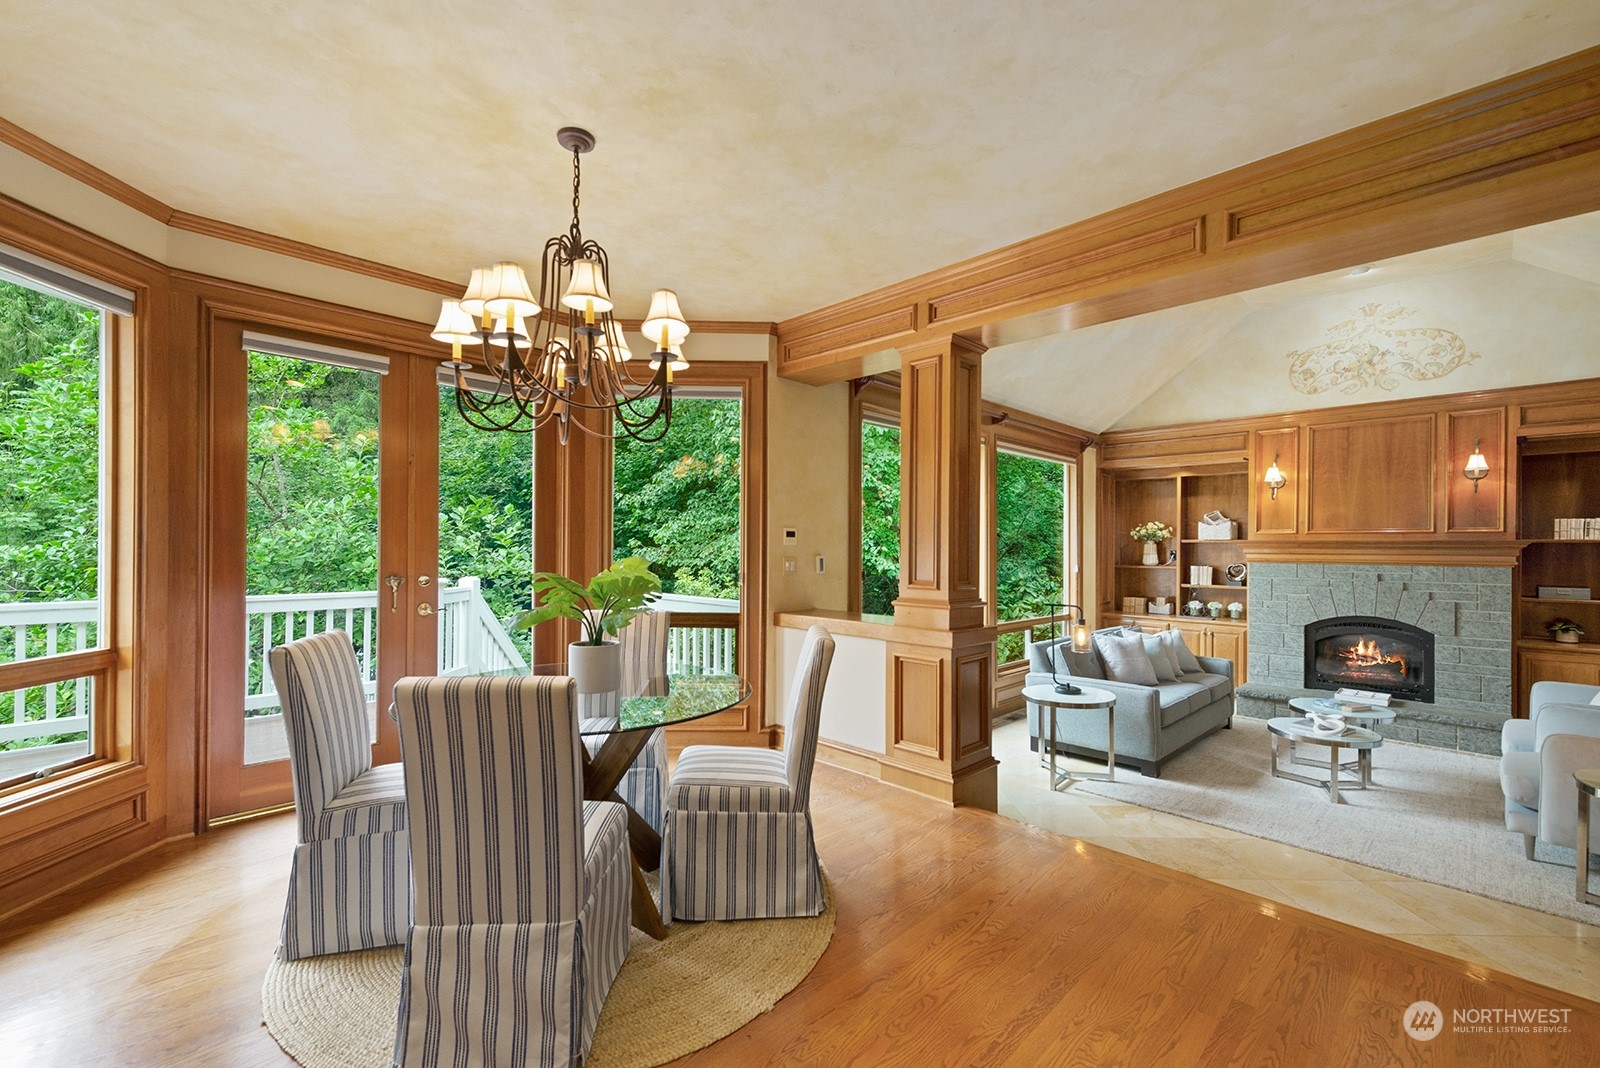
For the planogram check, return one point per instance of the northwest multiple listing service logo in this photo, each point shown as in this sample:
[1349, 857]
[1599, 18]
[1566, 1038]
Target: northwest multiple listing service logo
[1425, 1021]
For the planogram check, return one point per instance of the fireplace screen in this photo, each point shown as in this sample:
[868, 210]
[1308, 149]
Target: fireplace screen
[1366, 653]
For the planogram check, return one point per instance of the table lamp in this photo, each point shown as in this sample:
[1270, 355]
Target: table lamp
[1080, 644]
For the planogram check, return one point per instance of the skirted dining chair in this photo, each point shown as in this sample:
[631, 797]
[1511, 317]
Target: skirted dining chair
[737, 842]
[522, 888]
[644, 674]
[350, 879]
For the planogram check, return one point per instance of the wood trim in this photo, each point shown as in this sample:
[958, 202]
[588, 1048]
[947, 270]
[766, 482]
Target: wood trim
[78, 170]
[59, 668]
[1520, 150]
[1410, 551]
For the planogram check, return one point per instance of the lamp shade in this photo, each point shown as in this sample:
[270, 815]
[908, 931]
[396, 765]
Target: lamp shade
[506, 294]
[676, 363]
[472, 300]
[1274, 478]
[587, 289]
[454, 324]
[1477, 465]
[665, 315]
[498, 337]
[612, 346]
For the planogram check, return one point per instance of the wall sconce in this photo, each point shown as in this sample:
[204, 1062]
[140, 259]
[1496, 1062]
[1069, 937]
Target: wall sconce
[1080, 644]
[1477, 467]
[1274, 477]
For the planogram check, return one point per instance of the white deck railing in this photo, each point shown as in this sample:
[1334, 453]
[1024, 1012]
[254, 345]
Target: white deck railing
[471, 641]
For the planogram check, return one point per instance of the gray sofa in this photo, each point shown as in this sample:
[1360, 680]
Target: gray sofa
[1153, 723]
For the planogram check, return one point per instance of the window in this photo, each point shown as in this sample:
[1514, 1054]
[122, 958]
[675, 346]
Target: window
[678, 504]
[880, 517]
[55, 657]
[1031, 520]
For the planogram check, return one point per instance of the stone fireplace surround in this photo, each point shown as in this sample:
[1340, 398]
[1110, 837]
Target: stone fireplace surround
[1467, 609]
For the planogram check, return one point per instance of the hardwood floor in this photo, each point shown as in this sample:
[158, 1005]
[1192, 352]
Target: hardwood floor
[963, 938]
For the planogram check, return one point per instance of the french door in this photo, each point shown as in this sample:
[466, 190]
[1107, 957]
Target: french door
[323, 515]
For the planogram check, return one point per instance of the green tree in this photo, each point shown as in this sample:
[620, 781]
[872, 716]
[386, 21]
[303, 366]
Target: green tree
[880, 518]
[49, 447]
[677, 500]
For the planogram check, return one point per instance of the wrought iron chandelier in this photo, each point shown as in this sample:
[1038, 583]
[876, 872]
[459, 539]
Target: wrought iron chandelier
[562, 350]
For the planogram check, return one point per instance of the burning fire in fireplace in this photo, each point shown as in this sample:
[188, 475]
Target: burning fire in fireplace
[1366, 654]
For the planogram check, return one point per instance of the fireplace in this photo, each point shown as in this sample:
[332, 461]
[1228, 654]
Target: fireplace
[1369, 653]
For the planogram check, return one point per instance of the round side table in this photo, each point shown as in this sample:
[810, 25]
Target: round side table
[1087, 697]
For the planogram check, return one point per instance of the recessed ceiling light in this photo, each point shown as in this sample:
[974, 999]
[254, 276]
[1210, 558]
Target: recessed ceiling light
[1356, 272]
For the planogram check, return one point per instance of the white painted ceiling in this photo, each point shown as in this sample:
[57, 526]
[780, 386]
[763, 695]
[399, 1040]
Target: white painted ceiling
[763, 158]
[1525, 306]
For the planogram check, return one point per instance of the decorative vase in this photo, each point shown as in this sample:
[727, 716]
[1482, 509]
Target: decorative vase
[1234, 613]
[1568, 636]
[1152, 554]
[595, 668]
[1215, 613]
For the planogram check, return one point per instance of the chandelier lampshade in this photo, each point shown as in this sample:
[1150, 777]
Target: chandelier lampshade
[560, 350]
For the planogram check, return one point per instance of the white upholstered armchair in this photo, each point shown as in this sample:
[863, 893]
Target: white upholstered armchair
[522, 888]
[737, 842]
[1538, 756]
[350, 879]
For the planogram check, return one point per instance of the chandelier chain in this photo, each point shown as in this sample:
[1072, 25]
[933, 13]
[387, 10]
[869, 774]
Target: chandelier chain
[577, 236]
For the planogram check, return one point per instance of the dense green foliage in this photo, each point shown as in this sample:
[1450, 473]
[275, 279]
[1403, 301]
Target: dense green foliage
[880, 518]
[49, 447]
[1029, 498]
[676, 501]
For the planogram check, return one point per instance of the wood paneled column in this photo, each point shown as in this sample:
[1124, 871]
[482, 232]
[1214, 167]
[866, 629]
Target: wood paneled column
[941, 663]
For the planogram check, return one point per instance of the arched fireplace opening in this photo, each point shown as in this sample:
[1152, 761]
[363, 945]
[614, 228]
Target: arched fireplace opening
[1369, 653]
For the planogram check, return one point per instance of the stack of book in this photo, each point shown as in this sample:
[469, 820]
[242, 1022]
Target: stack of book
[1578, 529]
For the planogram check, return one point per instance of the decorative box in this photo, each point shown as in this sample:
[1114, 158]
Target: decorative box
[1160, 610]
[1134, 605]
[1564, 593]
[1227, 530]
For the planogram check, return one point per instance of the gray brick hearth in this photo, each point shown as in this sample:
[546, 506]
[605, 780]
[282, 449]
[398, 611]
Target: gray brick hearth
[1467, 609]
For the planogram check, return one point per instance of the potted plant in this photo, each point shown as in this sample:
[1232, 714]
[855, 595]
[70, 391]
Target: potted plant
[1564, 630]
[1150, 533]
[1215, 608]
[1235, 609]
[604, 606]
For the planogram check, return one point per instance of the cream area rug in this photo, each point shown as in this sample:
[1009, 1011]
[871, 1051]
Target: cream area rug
[703, 982]
[1431, 814]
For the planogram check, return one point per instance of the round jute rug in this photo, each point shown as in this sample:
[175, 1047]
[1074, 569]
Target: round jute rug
[704, 981]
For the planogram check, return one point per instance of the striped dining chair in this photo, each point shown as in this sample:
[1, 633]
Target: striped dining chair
[521, 887]
[737, 842]
[350, 878]
[644, 674]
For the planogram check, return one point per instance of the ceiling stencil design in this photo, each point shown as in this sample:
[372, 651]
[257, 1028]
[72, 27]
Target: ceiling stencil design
[1369, 351]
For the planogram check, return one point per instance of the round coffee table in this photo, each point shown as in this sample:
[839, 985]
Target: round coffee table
[1045, 696]
[1300, 731]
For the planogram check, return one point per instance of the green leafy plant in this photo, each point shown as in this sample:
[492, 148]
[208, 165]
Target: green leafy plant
[1563, 626]
[606, 605]
[1151, 531]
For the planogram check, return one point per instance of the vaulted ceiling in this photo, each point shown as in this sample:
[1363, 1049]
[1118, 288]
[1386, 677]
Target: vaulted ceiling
[764, 158]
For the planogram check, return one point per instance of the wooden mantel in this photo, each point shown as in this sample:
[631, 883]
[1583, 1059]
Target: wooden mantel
[1451, 553]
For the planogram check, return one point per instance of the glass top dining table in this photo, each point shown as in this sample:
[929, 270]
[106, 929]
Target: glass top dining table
[659, 701]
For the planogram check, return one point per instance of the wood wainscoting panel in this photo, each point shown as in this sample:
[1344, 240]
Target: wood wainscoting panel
[917, 699]
[974, 705]
[1478, 507]
[921, 434]
[1276, 513]
[1374, 476]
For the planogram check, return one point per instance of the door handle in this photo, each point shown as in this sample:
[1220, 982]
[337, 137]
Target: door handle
[394, 582]
[424, 609]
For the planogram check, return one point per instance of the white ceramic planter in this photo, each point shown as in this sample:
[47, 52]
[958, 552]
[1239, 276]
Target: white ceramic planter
[595, 668]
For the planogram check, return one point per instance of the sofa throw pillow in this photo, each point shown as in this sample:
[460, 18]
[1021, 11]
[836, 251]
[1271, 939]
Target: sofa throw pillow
[1156, 650]
[1595, 700]
[1125, 658]
[1083, 665]
[1182, 658]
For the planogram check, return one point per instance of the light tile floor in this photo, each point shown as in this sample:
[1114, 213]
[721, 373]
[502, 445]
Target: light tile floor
[1534, 945]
